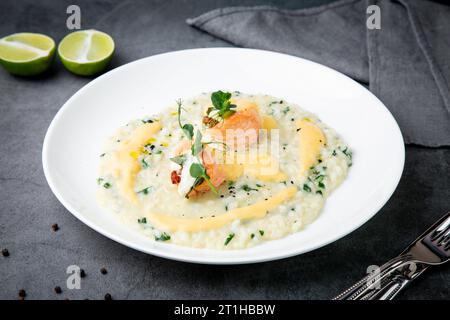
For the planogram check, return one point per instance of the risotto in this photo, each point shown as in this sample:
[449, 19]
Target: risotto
[222, 170]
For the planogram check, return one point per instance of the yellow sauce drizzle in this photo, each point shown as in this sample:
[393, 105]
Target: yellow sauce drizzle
[311, 141]
[254, 211]
[124, 164]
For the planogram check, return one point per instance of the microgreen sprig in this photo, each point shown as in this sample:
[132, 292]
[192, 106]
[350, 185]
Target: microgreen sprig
[188, 129]
[222, 104]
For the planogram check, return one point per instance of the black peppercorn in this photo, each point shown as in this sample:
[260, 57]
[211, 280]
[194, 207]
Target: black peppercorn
[55, 227]
[22, 293]
[5, 252]
[108, 296]
[103, 271]
[58, 290]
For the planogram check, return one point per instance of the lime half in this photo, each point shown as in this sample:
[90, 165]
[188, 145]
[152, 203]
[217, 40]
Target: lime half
[26, 54]
[86, 52]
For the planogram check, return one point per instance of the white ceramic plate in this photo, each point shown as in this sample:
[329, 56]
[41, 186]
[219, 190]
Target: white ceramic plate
[74, 139]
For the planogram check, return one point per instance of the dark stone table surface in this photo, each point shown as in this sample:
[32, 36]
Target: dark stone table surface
[39, 256]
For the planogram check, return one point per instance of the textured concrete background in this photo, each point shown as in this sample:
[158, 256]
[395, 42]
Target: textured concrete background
[39, 257]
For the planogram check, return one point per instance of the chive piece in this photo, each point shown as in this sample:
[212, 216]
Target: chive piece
[229, 238]
[306, 188]
[107, 185]
[252, 236]
[261, 232]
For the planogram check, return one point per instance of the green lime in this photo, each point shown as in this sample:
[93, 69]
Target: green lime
[26, 54]
[86, 52]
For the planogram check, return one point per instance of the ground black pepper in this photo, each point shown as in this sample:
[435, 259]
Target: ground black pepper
[58, 290]
[5, 252]
[55, 227]
[82, 273]
[108, 296]
[22, 293]
[103, 271]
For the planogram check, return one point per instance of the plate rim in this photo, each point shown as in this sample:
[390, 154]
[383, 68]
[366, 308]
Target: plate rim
[207, 259]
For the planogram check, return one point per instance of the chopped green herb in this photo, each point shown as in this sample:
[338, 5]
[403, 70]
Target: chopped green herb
[145, 191]
[107, 185]
[252, 236]
[306, 188]
[144, 164]
[261, 232]
[229, 238]
[319, 192]
[321, 185]
[100, 180]
[246, 188]
[163, 237]
[102, 155]
[319, 178]
[334, 153]
[143, 220]
[259, 185]
[349, 155]
[286, 110]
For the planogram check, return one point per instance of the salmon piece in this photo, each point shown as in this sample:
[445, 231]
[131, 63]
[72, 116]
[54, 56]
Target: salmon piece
[239, 130]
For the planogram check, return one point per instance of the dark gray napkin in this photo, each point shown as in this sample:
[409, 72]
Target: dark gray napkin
[406, 63]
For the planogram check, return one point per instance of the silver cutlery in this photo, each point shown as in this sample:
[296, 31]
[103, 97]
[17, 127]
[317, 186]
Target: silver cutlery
[430, 249]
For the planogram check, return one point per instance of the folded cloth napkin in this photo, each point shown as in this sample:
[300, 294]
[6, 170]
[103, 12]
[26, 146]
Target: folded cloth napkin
[406, 62]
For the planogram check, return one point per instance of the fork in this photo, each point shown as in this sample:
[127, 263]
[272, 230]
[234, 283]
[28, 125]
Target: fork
[430, 249]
